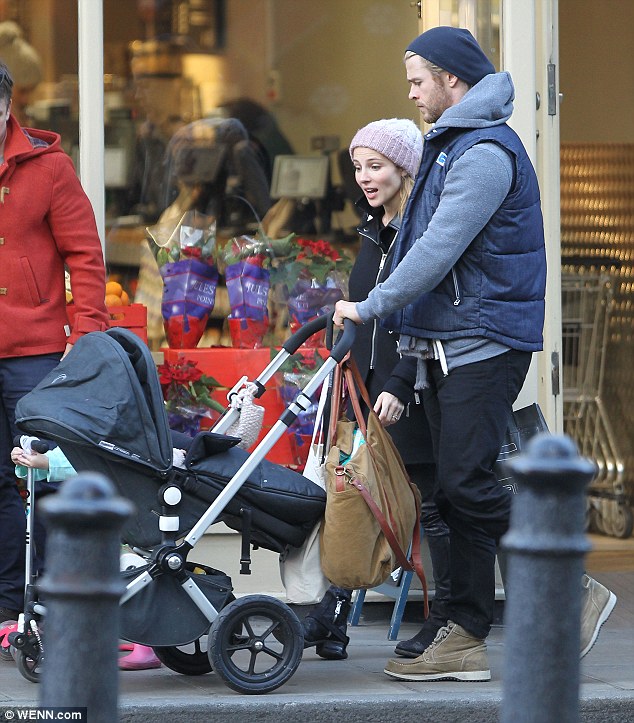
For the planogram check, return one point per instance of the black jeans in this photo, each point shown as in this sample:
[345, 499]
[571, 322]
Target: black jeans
[468, 412]
[17, 377]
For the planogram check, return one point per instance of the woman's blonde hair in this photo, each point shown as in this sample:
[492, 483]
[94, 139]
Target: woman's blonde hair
[407, 184]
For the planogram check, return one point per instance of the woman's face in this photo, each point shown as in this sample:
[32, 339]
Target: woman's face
[379, 178]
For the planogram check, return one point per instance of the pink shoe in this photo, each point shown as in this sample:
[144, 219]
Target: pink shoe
[8, 626]
[141, 658]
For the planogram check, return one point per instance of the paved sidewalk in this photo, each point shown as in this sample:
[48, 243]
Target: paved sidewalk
[357, 690]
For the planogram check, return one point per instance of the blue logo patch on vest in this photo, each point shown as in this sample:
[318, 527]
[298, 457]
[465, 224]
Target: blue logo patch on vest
[442, 157]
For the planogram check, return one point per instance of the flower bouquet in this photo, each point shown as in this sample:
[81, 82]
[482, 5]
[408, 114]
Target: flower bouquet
[248, 283]
[293, 375]
[307, 277]
[186, 262]
[187, 395]
[314, 276]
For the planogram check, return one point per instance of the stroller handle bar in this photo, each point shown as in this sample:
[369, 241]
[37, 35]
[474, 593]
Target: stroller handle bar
[342, 345]
[31, 444]
[301, 403]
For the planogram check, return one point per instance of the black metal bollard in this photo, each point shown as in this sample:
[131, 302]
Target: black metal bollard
[546, 544]
[81, 589]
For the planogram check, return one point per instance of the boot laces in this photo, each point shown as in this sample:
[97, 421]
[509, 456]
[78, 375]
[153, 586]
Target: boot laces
[442, 634]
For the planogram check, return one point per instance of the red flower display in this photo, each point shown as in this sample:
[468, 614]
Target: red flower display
[187, 394]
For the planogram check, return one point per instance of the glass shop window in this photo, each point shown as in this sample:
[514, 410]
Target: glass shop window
[202, 96]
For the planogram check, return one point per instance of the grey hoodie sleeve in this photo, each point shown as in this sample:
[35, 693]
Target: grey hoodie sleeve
[475, 187]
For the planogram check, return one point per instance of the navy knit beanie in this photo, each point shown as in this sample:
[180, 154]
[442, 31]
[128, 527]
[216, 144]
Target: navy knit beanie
[454, 50]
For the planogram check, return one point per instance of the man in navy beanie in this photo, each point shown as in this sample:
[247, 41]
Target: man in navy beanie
[466, 295]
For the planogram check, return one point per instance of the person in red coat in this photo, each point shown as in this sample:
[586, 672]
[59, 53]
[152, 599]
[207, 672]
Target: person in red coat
[47, 225]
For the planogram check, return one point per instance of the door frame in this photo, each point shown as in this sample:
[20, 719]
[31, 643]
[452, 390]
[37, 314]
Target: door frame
[529, 45]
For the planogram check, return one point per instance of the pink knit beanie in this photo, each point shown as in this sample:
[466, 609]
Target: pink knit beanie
[398, 139]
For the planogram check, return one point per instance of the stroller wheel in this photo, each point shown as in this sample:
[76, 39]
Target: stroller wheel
[192, 659]
[28, 667]
[256, 644]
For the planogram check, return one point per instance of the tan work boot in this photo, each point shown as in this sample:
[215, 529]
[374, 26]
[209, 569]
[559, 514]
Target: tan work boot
[596, 605]
[454, 655]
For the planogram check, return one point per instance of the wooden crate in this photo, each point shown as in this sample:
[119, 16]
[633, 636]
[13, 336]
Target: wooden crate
[133, 317]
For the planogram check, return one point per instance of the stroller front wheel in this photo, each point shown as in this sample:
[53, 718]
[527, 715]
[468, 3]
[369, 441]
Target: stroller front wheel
[256, 644]
[29, 667]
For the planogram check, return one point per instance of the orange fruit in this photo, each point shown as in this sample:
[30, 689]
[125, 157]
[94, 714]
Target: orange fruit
[125, 299]
[113, 288]
[113, 300]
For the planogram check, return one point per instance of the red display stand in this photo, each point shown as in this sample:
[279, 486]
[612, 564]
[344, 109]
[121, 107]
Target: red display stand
[228, 366]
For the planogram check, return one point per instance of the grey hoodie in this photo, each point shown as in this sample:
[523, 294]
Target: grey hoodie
[475, 187]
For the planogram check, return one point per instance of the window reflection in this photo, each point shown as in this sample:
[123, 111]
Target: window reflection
[481, 17]
[301, 77]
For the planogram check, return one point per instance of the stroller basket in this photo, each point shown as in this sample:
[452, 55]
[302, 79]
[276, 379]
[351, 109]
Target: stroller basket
[161, 615]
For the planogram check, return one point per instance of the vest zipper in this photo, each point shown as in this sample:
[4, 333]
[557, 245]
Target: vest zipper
[457, 300]
[374, 323]
[384, 255]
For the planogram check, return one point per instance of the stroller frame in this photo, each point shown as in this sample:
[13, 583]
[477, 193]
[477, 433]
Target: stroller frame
[254, 626]
[24, 638]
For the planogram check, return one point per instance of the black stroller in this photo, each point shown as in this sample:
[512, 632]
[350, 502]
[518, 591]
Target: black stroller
[104, 407]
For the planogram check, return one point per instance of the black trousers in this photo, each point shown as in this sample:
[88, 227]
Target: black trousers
[17, 377]
[468, 412]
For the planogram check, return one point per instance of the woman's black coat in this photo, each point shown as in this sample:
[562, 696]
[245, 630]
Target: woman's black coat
[374, 349]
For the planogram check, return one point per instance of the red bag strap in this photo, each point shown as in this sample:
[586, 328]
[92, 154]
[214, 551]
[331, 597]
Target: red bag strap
[355, 375]
[354, 399]
[380, 518]
[338, 395]
[357, 386]
[353, 382]
[414, 563]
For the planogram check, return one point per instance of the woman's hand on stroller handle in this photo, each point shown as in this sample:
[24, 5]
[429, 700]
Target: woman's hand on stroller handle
[345, 310]
[344, 342]
[341, 347]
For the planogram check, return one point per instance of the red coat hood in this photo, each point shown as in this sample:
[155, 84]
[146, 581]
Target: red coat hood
[22, 143]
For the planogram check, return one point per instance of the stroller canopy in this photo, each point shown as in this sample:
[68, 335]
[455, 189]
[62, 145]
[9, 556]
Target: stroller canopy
[105, 393]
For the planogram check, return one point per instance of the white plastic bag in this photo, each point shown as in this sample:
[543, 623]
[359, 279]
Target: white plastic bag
[300, 567]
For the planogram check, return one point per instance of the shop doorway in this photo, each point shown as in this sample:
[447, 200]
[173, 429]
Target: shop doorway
[597, 207]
